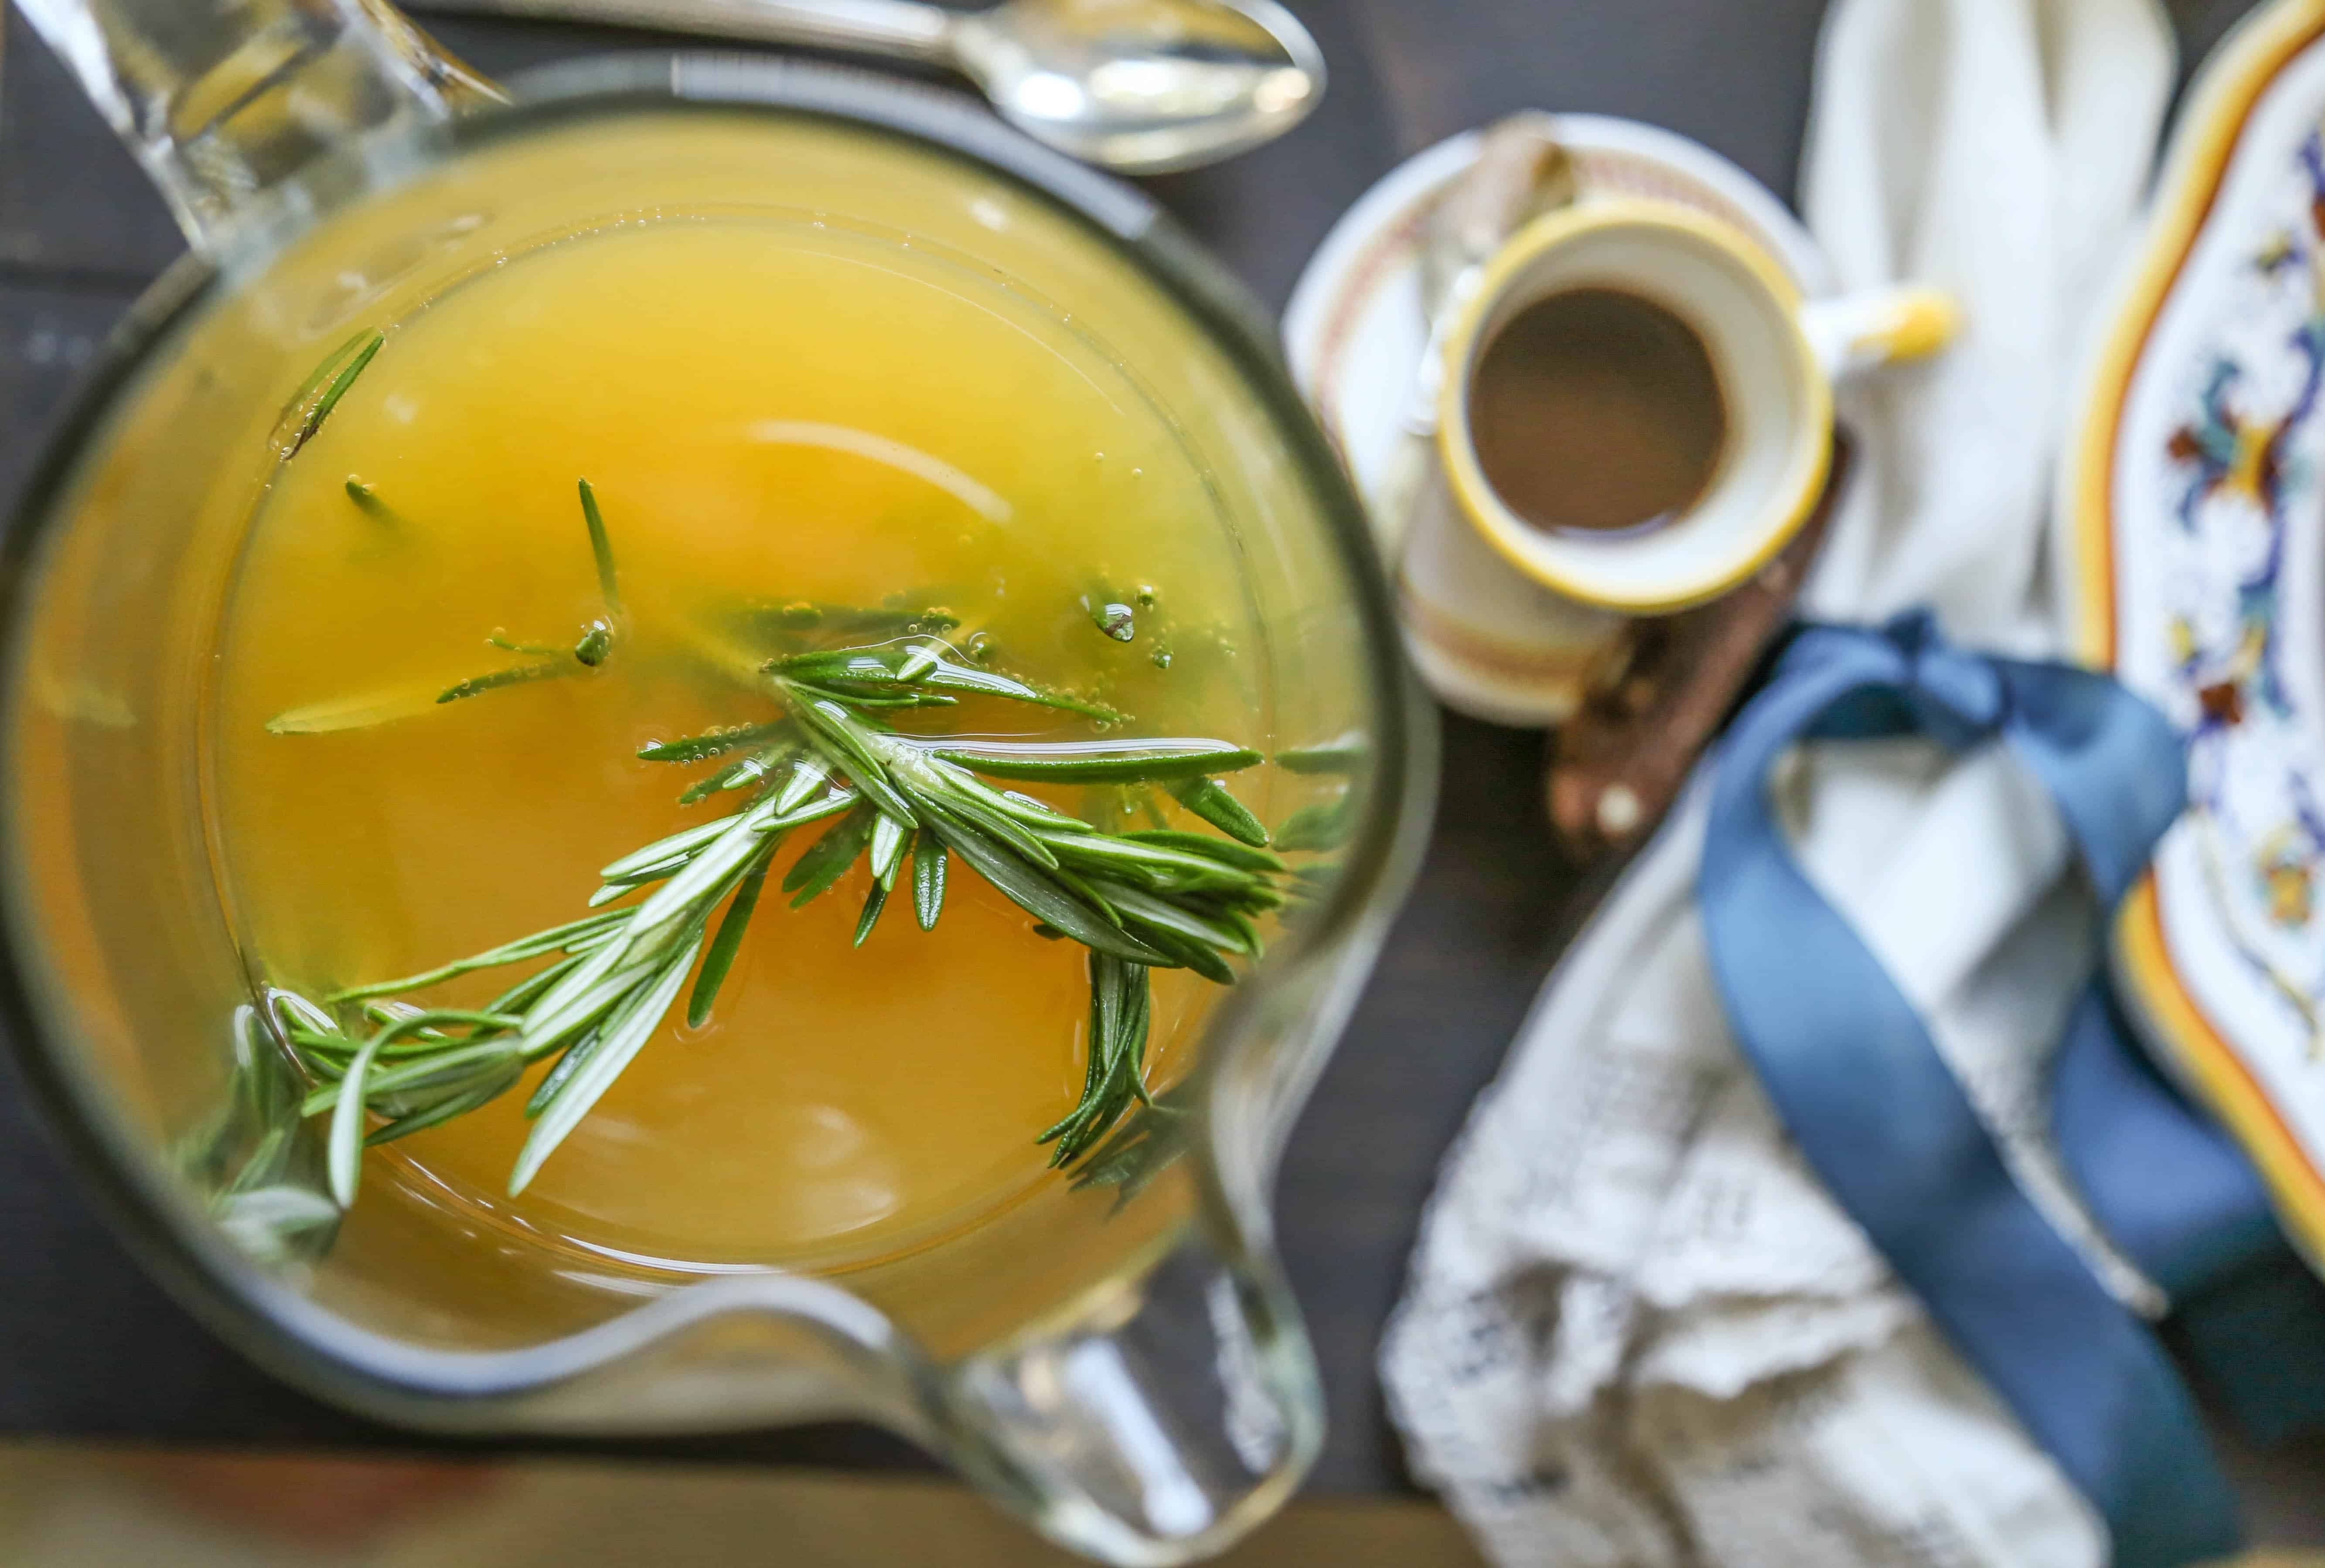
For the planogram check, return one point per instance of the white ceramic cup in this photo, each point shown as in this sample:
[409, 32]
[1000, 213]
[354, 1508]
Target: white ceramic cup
[1518, 624]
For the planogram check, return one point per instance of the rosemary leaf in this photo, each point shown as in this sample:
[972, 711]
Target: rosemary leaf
[1253, 946]
[964, 678]
[1322, 827]
[1038, 895]
[532, 946]
[1194, 954]
[360, 712]
[827, 860]
[1153, 866]
[485, 1092]
[890, 838]
[746, 774]
[975, 806]
[1024, 823]
[1120, 1017]
[927, 878]
[344, 1149]
[625, 1033]
[515, 674]
[1138, 1152]
[1243, 857]
[874, 902]
[806, 778]
[602, 547]
[555, 1079]
[872, 671]
[340, 368]
[628, 885]
[292, 1011]
[716, 868]
[388, 1012]
[792, 620]
[712, 744]
[834, 724]
[1094, 1063]
[1209, 799]
[1344, 754]
[1088, 895]
[447, 1061]
[572, 1005]
[723, 947]
[1042, 813]
[1143, 910]
[739, 775]
[852, 694]
[1096, 761]
[368, 501]
[678, 846]
[532, 987]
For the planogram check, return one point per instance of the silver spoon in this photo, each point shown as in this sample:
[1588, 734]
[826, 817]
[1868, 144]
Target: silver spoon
[1139, 85]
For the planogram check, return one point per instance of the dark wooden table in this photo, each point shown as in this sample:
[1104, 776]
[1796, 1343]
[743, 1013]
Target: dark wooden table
[88, 1349]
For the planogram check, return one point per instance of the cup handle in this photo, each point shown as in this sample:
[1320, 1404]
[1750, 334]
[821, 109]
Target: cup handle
[1857, 332]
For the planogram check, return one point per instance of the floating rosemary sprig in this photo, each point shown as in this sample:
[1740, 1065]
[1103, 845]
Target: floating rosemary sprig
[546, 662]
[905, 805]
[596, 639]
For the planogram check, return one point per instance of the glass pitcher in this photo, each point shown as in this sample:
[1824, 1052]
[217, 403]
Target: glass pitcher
[1117, 1360]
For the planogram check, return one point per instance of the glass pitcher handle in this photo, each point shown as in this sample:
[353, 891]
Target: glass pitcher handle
[1172, 1415]
[222, 100]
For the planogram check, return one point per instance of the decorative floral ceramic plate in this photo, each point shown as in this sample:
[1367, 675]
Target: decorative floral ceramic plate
[2192, 513]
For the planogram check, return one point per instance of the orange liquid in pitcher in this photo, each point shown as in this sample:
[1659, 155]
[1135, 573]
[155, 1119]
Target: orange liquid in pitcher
[769, 411]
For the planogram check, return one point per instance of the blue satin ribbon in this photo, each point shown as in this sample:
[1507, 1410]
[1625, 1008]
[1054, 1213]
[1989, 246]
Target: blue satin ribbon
[1873, 1106]
[2180, 1199]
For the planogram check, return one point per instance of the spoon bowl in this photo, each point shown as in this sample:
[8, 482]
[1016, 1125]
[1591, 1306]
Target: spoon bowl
[1143, 86]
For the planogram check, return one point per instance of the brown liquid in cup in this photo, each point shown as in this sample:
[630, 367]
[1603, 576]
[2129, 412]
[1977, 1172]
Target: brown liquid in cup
[1595, 410]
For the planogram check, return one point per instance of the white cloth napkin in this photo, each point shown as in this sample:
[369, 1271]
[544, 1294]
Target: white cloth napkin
[1638, 1332]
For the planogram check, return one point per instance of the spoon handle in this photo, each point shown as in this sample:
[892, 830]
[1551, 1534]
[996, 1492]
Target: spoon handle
[902, 29]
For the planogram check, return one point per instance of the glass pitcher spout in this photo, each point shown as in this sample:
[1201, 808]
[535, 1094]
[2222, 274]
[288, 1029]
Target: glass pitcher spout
[222, 103]
[1174, 1414]
[1153, 1425]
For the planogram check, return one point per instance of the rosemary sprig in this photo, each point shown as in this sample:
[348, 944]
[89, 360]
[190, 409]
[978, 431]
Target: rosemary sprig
[545, 661]
[596, 640]
[905, 805]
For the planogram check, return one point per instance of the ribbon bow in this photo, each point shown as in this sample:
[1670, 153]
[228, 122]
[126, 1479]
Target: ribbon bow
[1852, 1070]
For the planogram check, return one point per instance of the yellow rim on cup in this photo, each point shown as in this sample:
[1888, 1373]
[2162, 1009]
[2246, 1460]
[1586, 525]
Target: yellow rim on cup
[1805, 464]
